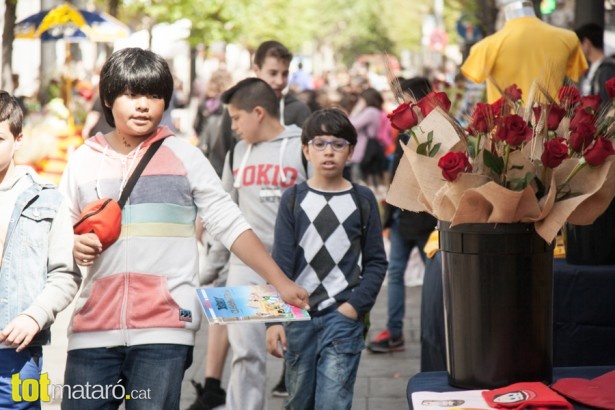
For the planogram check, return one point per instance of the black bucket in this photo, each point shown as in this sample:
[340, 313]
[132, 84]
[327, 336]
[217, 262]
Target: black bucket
[498, 304]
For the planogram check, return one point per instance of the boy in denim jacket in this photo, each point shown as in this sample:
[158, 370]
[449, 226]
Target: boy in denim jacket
[38, 274]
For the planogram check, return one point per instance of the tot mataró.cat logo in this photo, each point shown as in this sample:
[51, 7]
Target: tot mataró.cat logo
[30, 390]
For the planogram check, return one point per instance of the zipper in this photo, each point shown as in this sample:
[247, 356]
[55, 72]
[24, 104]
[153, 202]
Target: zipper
[90, 214]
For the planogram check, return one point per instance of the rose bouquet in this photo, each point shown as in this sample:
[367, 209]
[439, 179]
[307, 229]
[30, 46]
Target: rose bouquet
[547, 161]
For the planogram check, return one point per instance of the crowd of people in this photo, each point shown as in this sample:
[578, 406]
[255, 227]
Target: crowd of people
[282, 181]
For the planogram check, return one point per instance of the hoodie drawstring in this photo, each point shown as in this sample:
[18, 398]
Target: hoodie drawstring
[124, 177]
[280, 158]
[242, 166]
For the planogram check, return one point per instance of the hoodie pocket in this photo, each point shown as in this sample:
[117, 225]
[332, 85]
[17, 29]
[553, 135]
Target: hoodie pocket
[102, 310]
[150, 303]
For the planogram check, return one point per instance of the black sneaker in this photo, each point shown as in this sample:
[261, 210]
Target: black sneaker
[207, 399]
[384, 343]
[280, 389]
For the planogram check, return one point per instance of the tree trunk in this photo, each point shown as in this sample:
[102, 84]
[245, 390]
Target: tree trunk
[8, 35]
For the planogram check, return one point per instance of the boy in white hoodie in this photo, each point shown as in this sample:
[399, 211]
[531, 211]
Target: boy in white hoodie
[134, 323]
[264, 163]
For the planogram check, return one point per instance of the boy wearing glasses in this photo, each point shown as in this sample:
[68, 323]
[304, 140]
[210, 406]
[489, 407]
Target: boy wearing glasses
[265, 162]
[328, 239]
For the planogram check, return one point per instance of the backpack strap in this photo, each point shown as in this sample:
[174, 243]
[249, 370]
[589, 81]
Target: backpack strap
[364, 209]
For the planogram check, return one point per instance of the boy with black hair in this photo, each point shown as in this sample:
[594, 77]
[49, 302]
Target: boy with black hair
[321, 242]
[267, 160]
[271, 63]
[135, 320]
[38, 274]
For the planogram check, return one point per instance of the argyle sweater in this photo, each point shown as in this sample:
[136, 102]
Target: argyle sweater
[318, 244]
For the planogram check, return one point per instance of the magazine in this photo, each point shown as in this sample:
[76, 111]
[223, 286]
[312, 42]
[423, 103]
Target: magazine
[254, 303]
[458, 400]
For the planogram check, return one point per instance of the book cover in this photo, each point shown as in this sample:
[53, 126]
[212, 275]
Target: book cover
[255, 303]
[457, 400]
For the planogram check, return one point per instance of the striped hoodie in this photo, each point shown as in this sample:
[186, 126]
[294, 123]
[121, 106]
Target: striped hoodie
[141, 289]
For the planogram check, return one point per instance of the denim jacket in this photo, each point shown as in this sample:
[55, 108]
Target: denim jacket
[38, 276]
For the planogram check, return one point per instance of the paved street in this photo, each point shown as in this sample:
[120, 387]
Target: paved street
[381, 382]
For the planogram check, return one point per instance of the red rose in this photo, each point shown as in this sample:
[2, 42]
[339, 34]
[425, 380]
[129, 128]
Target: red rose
[581, 136]
[581, 116]
[609, 86]
[513, 92]
[554, 153]
[554, 116]
[568, 95]
[432, 100]
[513, 130]
[497, 108]
[403, 117]
[590, 101]
[482, 118]
[596, 153]
[454, 163]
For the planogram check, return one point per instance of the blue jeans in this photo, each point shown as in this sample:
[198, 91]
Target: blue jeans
[321, 361]
[396, 287]
[28, 363]
[150, 375]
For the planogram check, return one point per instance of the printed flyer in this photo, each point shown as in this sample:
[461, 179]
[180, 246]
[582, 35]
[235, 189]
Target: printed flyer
[254, 303]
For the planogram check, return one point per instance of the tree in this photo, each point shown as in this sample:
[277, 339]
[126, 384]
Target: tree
[8, 35]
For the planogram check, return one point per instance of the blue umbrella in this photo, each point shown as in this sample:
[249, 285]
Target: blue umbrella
[66, 22]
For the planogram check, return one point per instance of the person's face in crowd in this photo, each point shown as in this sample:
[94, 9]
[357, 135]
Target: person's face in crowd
[274, 72]
[137, 115]
[8, 145]
[246, 124]
[328, 155]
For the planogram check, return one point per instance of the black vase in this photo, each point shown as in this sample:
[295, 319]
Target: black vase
[498, 304]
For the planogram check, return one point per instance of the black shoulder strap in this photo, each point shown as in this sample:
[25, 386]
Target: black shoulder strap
[137, 172]
[364, 209]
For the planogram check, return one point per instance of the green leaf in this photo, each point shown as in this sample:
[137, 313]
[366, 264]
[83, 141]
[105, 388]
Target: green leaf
[493, 162]
[435, 150]
[422, 148]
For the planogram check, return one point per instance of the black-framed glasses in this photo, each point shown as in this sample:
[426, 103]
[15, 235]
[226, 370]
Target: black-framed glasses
[336, 144]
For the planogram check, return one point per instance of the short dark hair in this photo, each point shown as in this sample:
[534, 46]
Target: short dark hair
[593, 32]
[372, 97]
[10, 111]
[329, 121]
[137, 70]
[271, 48]
[250, 93]
[418, 87]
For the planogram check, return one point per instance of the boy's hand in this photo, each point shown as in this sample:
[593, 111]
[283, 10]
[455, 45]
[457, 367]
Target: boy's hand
[293, 294]
[87, 248]
[276, 340]
[347, 310]
[19, 332]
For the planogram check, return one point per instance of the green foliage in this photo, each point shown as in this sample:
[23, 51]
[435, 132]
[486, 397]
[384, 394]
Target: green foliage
[493, 162]
[349, 27]
[426, 149]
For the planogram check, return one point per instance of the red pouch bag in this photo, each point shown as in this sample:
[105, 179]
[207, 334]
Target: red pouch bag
[102, 217]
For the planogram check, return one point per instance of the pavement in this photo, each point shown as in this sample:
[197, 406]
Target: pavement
[381, 381]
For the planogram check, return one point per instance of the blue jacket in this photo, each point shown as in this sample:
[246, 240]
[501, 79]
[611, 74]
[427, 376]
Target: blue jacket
[38, 275]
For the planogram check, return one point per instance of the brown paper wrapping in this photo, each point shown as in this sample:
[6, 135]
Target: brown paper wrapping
[418, 185]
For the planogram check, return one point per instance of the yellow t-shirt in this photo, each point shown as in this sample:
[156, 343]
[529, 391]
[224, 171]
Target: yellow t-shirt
[524, 50]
